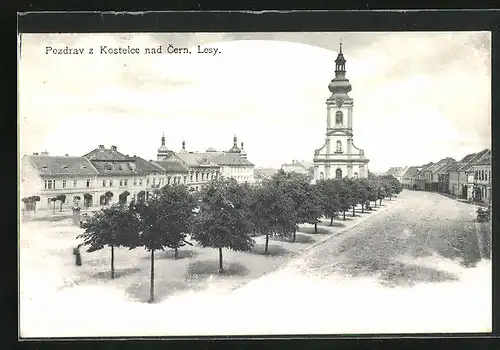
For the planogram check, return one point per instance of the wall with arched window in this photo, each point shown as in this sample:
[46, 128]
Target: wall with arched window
[339, 117]
[338, 173]
[339, 147]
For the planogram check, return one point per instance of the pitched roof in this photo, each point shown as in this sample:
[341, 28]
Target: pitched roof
[172, 167]
[145, 166]
[54, 165]
[265, 172]
[426, 166]
[116, 167]
[410, 172]
[443, 162]
[476, 156]
[484, 160]
[101, 154]
[233, 159]
[193, 159]
[393, 170]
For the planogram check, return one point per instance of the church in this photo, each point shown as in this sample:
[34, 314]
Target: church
[339, 157]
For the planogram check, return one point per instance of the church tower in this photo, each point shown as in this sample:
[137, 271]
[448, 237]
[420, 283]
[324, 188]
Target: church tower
[338, 157]
[163, 151]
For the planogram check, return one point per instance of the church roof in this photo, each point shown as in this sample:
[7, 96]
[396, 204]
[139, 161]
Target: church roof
[55, 165]
[193, 159]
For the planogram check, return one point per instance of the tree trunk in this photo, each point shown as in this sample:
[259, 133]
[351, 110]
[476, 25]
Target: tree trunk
[353, 211]
[294, 232]
[267, 243]
[344, 215]
[34, 208]
[331, 221]
[60, 208]
[221, 268]
[315, 227]
[380, 201]
[176, 253]
[112, 262]
[152, 285]
[54, 208]
[362, 208]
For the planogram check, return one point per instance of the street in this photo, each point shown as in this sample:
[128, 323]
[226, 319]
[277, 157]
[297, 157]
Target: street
[419, 225]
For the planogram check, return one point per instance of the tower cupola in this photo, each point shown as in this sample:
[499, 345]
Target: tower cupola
[340, 85]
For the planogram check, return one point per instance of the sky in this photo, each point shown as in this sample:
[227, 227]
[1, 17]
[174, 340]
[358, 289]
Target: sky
[418, 97]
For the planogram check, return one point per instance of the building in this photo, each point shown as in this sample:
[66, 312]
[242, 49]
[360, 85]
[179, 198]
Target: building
[262, 174]
[339, 157]
[432, 174]
[202, 167]
[301, 167]
[479, 178]
[100, 177]
[423, 177]
[458, 179]
[443, 177]
[408, 178]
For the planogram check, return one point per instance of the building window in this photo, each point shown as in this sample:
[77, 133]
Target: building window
[140, 182]
[196, 180]
[103, 183]
[168, 180]
[135, 182]
[121, 182]
[338, 117]
[63, 183]
[338, 173]
[147, 182]
[185, 179]
[485, 176]
[88, 183]
[75, 183]
[110, 183]
[154, 181]
[50, 184]
[321, 176]
[339, 146]
[191, 177]
[125, 182]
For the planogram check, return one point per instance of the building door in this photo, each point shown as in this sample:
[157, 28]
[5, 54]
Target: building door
[338, 173]
[464, 191]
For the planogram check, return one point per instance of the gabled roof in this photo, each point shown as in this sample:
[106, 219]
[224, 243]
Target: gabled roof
[393, 171]
[193, 159]
[476, 156]
[484, 160]
[446, 168]
[233, 159]
[426, 166]
[443, 162]
[106, 154]
[116, 168]
[147, 167]
[172, 167]
[54, 165]
[411, 171]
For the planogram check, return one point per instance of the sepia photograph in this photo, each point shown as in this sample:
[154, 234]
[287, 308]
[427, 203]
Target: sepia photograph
[254, 184]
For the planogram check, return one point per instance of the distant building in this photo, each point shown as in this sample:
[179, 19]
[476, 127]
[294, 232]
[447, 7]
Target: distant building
[339, 157]
[202, 167]
[458, 178]
[408, 178]
[301, 167]
[479, 177]
[264, 174]
[422, 178]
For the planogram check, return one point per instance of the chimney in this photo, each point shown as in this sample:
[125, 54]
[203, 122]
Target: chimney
[113, 148]
[101, 146]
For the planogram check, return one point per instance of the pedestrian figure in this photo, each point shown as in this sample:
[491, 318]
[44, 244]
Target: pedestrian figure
[78, 257]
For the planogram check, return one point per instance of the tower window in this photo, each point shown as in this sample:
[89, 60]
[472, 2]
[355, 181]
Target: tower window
[339, 117]
[338, 173]
[321, 176]
[339, 146]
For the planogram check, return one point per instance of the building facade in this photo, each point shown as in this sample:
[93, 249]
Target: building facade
[301, 167]
[339, 157]
[202, 167]
[458, 177]
[479, 179]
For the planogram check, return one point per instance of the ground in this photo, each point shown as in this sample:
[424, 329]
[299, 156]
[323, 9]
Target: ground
[412, 265]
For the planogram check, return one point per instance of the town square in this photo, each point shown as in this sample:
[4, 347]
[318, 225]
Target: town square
[299, 194]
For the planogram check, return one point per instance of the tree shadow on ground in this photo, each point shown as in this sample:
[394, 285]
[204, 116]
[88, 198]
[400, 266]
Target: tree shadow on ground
[322, 230]
[392, 273]
[273, 250]
[304, 239]
[118, 273]
[203, 269]
[326, 223]
[169, 254]
[140, 291]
